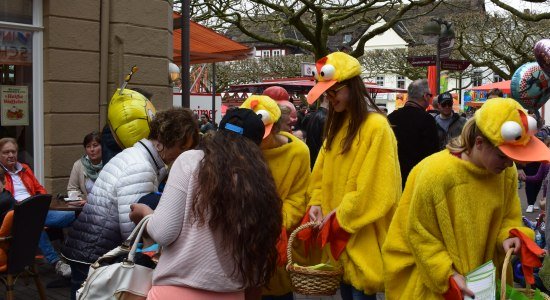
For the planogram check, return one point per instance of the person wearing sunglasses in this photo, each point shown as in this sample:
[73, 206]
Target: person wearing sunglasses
[449, 124]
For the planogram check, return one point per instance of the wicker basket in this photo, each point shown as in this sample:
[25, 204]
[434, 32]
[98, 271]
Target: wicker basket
[307, 281]
[526, 291]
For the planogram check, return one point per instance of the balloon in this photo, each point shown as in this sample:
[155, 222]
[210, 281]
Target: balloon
[529, 86]
[542, 54]
[129, 114]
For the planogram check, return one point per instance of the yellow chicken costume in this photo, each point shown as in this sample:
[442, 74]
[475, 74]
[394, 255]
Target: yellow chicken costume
[289, 165]
[362, 185]
[454, 215]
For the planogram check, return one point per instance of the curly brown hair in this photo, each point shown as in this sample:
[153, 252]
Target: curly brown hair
[174, 125]
[236, 194]
[360, 105]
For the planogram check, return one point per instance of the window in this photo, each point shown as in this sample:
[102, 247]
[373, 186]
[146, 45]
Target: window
[19, 11]
[347, 38]
[20, 79]
[477, 78]
[400, 82]
[276, 52]
[380, 80]
[265, 53]
[497, 78]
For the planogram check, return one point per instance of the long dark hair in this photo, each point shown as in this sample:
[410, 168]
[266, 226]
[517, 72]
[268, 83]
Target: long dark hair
[360, 104]
[236, 193]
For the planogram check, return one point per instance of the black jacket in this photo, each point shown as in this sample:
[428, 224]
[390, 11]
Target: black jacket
[416, 136]
[314, 133]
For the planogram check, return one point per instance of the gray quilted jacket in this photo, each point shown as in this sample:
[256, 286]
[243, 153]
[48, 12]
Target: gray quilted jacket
[104, 222]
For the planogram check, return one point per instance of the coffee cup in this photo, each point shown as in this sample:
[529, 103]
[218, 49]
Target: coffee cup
[73, 195]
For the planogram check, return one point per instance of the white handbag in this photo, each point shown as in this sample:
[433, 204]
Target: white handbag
[120, 280]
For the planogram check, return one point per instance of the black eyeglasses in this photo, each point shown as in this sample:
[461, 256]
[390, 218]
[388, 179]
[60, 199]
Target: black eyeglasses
[332, 93]
[446, 104]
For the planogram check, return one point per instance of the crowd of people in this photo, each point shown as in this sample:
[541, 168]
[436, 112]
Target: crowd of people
[398, 197]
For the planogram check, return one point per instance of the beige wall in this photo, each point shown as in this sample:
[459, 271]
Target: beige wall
[140, 33]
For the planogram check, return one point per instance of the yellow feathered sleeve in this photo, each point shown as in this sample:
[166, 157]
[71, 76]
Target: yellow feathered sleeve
[315, 183]
[426, 240]
[378, 182]
[294, 204]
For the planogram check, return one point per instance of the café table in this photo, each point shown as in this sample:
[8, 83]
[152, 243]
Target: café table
[60, 204]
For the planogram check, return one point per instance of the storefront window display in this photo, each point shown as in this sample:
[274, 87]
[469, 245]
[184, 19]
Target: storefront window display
[16, 75]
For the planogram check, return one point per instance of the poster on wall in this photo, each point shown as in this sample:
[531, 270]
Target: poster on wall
[14, 105]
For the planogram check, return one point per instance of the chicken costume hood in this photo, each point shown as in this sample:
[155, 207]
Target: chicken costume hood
[331, 69]
[266, 107]
[508, 126]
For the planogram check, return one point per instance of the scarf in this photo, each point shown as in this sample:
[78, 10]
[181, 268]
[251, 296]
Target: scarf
[90, 170]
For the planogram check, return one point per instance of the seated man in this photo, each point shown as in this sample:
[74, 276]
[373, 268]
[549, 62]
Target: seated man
[22, 184]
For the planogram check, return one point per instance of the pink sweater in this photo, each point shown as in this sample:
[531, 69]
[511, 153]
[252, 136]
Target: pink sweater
[191, 256]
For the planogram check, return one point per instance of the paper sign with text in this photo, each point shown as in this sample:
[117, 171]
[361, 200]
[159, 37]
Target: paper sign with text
[14, 105]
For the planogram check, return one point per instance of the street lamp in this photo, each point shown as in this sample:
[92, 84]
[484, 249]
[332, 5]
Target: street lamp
[438, 31]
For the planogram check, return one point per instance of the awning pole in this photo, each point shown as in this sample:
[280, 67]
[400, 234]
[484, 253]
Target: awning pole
[185, 57]
[213, 93]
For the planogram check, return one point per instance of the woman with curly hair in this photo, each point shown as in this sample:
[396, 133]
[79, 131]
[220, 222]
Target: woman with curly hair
[131, 174]
[219, 218]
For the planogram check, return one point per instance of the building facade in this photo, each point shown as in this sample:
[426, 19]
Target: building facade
[60, 63]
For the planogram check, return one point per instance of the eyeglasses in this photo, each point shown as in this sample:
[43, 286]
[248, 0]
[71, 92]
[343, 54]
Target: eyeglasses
[332, 93]
[446, 104]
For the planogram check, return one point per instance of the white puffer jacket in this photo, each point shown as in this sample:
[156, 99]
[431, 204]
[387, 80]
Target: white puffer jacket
[104, 222]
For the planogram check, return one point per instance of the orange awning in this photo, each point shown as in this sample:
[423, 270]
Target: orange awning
[206, 45]
[504, 86]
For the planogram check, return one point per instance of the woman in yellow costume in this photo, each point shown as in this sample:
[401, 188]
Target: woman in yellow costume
[459, 205]
[355, 183]
[288, 161]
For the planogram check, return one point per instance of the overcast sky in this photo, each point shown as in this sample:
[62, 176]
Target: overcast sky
[519, 4]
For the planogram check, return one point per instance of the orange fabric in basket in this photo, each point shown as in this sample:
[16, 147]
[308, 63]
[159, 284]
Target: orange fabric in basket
[530, 254]
[306, 234]
[282, 244]
[454, 292]
[334, 234]
[330, 233]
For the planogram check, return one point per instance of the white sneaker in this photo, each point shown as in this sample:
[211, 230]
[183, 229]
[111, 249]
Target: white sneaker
[63, 269]
[529, 209]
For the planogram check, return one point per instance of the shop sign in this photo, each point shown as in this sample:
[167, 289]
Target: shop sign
[15, 47]
[306, 69]
[14, 105]
[454, 64]
[422, 61]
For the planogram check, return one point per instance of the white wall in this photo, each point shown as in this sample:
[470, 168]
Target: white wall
[386, 40]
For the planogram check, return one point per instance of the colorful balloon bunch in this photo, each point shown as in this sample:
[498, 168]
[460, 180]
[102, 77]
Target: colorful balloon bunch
[530, 82]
